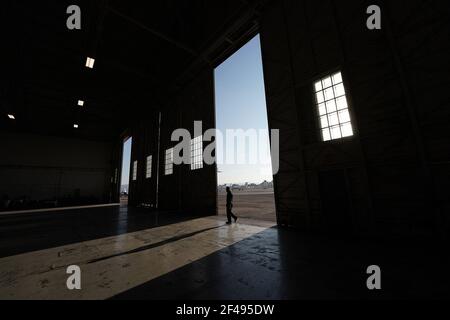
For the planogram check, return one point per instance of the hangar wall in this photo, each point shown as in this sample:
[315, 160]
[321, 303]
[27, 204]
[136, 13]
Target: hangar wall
[392, 170]
[145, 143]
[49, 168]
[187, 190]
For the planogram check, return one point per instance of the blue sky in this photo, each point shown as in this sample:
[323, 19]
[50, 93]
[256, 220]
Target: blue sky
[241, 104]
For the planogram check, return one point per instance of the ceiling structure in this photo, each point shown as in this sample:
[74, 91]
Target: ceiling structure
[143, 53]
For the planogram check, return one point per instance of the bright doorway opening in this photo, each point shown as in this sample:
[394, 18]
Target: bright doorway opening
[241, 109]
[126, 166]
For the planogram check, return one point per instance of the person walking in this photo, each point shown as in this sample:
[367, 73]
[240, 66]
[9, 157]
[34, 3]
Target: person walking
[230, 206]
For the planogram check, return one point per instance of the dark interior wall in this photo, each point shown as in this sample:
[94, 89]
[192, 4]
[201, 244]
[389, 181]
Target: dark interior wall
[395, 167]
[116, 171]
[169, 193]
[145, 143]
[196, 103]
[186, 189]
[49, 168]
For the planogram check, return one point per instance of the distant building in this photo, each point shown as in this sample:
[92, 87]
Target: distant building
[246, 186]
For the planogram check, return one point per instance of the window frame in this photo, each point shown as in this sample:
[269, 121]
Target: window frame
[148, 165]
[167, 171]
[316, 104]
[134, 175]
[196, 159]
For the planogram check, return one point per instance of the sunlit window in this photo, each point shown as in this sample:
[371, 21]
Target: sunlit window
[169, 162]
[197, 153]
[148, 169]
[90, 63]
[135, 164]
[335, 120]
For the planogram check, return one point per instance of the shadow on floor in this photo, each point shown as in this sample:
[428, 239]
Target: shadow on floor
[284, 264]
[36, 231]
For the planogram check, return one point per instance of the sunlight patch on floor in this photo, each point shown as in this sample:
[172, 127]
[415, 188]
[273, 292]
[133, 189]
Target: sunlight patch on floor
[115, 264]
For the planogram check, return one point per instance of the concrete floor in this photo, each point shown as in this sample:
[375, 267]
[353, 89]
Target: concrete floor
[256, 205]
[135, 254]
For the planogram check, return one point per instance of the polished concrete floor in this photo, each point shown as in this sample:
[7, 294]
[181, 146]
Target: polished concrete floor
[135, 254]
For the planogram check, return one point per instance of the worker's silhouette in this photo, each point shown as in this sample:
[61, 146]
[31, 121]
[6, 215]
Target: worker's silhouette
[230, 206]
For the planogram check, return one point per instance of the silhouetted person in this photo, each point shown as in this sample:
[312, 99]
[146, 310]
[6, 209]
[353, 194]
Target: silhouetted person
[230, 206]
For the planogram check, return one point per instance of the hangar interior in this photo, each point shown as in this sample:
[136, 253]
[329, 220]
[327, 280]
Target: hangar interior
[373, 187]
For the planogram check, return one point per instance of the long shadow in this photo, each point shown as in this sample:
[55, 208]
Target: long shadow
[154, 245]
[38, 231]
